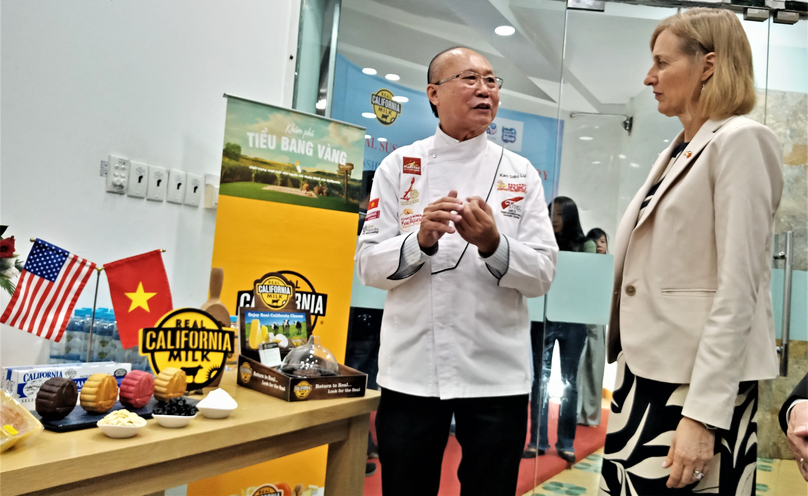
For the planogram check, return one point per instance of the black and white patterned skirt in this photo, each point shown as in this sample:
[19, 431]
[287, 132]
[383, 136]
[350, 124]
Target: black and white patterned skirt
[644, 416]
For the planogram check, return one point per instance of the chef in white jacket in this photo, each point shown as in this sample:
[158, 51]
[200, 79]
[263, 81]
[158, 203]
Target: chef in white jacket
[457, 232]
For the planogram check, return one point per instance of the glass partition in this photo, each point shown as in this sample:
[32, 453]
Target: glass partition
[574, 84]
[613, 134]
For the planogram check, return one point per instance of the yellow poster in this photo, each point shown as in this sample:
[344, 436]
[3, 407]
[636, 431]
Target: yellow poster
[290, 209]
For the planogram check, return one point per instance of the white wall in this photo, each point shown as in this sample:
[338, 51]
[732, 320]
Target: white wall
[140, 78]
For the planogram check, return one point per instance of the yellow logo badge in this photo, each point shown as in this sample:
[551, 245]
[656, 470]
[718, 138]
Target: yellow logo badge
[191, 340]
[245, 372]
[386, 110]
[267, 490]
[302, 390]
[275, 291]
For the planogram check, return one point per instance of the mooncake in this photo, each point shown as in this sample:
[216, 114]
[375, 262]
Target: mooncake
[137, 389]
[56, 398]
[99, 393]
[171, 383]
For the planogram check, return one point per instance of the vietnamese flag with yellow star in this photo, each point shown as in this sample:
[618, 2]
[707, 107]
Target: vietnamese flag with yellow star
[140, 293]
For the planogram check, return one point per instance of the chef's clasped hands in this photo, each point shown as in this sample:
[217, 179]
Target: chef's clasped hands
[473, 220]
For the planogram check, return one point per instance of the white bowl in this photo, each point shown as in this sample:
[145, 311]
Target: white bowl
[173, 421]
[120, 431]
[215, 413]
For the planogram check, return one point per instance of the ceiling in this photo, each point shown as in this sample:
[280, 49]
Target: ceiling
[606, 59]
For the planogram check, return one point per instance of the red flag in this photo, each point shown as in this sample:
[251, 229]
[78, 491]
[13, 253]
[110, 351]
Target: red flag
[140, 293]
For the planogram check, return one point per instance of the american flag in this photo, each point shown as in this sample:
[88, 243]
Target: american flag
[49, 286]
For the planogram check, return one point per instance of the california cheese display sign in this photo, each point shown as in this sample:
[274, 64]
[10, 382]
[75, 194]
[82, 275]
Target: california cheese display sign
[285, 235]
[190, 340]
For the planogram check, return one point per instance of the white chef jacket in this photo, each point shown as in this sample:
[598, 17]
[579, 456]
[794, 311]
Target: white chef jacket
[456, 325]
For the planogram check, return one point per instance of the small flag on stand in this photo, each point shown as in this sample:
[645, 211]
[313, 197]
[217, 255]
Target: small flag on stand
[49, 286]
[140, 293]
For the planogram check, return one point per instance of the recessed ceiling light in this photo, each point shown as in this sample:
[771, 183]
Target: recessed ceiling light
[667, 141]
[505, 30]
[321, 104]
[596, 162]
[636, 166]
[401, 99]
[382, 139]
[586, 138]
[392, 77]
[367, 136]
[368, 115]
[622, 156]
[369, 70]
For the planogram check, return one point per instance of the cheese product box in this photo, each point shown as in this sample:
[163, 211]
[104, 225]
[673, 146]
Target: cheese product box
[23, 382]
[252, 374]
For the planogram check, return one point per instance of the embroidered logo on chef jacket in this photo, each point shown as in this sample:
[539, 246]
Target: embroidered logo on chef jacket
[512, 187]
[409, 219]
[411, 196]
[384, 107]
[370, 229]
[372, 215]
[512, 207]
[374, 203]
[412, 166]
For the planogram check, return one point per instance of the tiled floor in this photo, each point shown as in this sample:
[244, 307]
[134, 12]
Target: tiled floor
[774, 478]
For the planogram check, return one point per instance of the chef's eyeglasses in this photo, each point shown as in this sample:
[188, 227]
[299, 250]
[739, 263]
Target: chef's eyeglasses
[470, 78]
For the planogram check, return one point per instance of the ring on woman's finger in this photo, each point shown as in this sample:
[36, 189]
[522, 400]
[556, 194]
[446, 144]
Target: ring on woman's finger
[698, 475]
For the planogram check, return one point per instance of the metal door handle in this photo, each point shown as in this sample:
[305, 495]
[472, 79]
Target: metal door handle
[787, 256]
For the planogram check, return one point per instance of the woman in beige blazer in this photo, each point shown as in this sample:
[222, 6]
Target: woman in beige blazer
[691, 324]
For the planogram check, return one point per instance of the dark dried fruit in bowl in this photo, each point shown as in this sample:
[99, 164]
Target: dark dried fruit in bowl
[176, 406]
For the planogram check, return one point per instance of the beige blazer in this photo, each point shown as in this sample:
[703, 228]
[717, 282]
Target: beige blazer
[691, 302]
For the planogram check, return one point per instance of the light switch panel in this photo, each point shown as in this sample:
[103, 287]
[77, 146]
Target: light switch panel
[194, 189]
[158, 183]
[118, 174]
[138, 180]
[176, 186]
[211, 191]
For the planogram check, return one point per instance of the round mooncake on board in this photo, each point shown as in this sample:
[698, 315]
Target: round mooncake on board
[99, 393]
[171, 383]
[137, 389]
[56, 398]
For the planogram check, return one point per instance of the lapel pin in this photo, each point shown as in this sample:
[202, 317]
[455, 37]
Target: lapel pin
[688, 154]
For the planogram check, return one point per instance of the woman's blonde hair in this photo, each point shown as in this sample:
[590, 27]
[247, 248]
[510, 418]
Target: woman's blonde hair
[731, 89]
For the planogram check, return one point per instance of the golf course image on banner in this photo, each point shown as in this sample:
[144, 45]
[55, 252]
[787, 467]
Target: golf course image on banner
[279, 155]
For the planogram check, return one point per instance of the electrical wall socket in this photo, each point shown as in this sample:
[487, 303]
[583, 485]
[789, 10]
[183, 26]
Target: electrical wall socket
[158, 183]
[176, 186]
[117, 175]
[138, 180]
[194, 188]
[211, 190]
